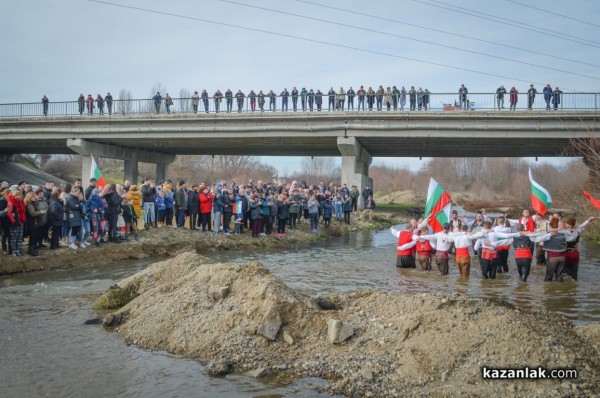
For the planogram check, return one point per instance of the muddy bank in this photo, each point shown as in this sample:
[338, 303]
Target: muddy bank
[161, 242]
[367, 344]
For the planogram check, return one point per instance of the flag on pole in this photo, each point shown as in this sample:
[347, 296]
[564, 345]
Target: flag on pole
[95, 173]
[595, 202]
[540, 197]
[438, 205]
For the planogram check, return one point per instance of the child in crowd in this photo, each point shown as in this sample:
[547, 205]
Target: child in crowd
[130, 217]
[162, 207]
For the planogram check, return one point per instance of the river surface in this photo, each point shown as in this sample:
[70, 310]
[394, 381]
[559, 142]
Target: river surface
[47, 351]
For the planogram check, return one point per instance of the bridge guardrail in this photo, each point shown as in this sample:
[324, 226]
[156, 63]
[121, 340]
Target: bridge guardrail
[438, 102]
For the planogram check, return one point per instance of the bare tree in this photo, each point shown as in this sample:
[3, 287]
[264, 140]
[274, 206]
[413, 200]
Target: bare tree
[589, 149]
[124, 104]
[184, 101]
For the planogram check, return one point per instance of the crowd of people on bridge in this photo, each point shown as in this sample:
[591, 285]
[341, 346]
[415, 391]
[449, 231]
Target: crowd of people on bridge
[553, 242]
[390, 98]
[74, 216]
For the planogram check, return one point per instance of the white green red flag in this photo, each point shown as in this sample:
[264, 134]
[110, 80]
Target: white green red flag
[540, 197]
[438, 205]
[95, 173]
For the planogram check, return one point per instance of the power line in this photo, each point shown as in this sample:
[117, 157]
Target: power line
[446, 32]
[553, 13]
[364, 50]
[520, 25]
[406, 38]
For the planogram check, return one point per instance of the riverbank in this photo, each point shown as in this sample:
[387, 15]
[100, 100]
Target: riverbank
[366, 343]
[163, 242]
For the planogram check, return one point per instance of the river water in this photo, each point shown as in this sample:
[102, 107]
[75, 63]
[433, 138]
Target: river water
[46, 350]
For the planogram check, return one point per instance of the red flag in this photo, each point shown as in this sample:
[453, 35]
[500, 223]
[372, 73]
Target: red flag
[595, 202]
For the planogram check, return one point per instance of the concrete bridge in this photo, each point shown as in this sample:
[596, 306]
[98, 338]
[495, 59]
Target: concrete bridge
[355, 136]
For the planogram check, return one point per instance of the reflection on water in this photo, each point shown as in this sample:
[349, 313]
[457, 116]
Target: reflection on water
[366, 260]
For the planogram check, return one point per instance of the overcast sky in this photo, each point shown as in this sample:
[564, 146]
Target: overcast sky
[62, 48]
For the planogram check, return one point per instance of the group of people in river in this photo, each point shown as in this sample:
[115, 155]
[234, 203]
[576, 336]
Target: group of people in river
[390, 98]
[77, 216]
[553, 241]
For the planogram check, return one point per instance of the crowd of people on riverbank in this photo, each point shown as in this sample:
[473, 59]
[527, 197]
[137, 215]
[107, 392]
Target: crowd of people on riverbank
[390, 98]
[553, 241]
[78, 217]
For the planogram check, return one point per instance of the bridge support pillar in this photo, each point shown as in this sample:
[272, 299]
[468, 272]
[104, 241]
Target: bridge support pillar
[162, 170]
[5, 157]
[130, 156]
[130, 169]
[355, 164]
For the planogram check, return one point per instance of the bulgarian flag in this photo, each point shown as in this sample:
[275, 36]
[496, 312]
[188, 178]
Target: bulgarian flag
[438, 205]
[595, 202]
[95, 173]
[540, 197]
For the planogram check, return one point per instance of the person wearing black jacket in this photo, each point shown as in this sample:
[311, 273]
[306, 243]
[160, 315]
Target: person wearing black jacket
[56, 213]
[193, 206]
[88, 190]
[148, 195]
[113, 201]
[282, 214]
[331, 94]
[225, 204]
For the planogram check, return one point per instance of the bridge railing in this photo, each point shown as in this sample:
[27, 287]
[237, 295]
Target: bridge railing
[438, 102]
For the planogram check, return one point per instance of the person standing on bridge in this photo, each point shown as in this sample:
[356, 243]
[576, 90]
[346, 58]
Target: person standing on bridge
[272, 101]
[109, 102]
[361, 97]
[341, 98]
[426, 99]
[379, 97]
[285, 95]
[514, 98]
[195, 101]
[90, 104]
[395, 95]
[100, 103]
[204, 97]
[556, 98]
[420, 94]
[318, 100]
[157, 100]
[463, 97]
[168, 103]
[295, 99]
[45, 102]
[402, 98]
[531, 96]
[388, 100]
[81, 104]
[331, 103]
[370, 98]
[351, 95]
[218, 97]
[252, 97]
[239, 96]
[229, 100]
[500, 91]
[311, 99]
[303, 97]
[547, 95]
[261, 101]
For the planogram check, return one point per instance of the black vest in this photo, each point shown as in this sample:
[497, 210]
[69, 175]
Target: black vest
[521, 242]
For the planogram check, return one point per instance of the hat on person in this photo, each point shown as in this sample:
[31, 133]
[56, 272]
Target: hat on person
[219, 185]
[93, 179]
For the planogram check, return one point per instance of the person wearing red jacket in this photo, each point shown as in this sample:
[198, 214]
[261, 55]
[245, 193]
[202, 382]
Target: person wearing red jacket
[16, 219]
[514, 98]
[206, 203]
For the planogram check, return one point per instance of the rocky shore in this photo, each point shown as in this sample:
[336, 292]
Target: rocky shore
[162, 242]
[241, 318]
